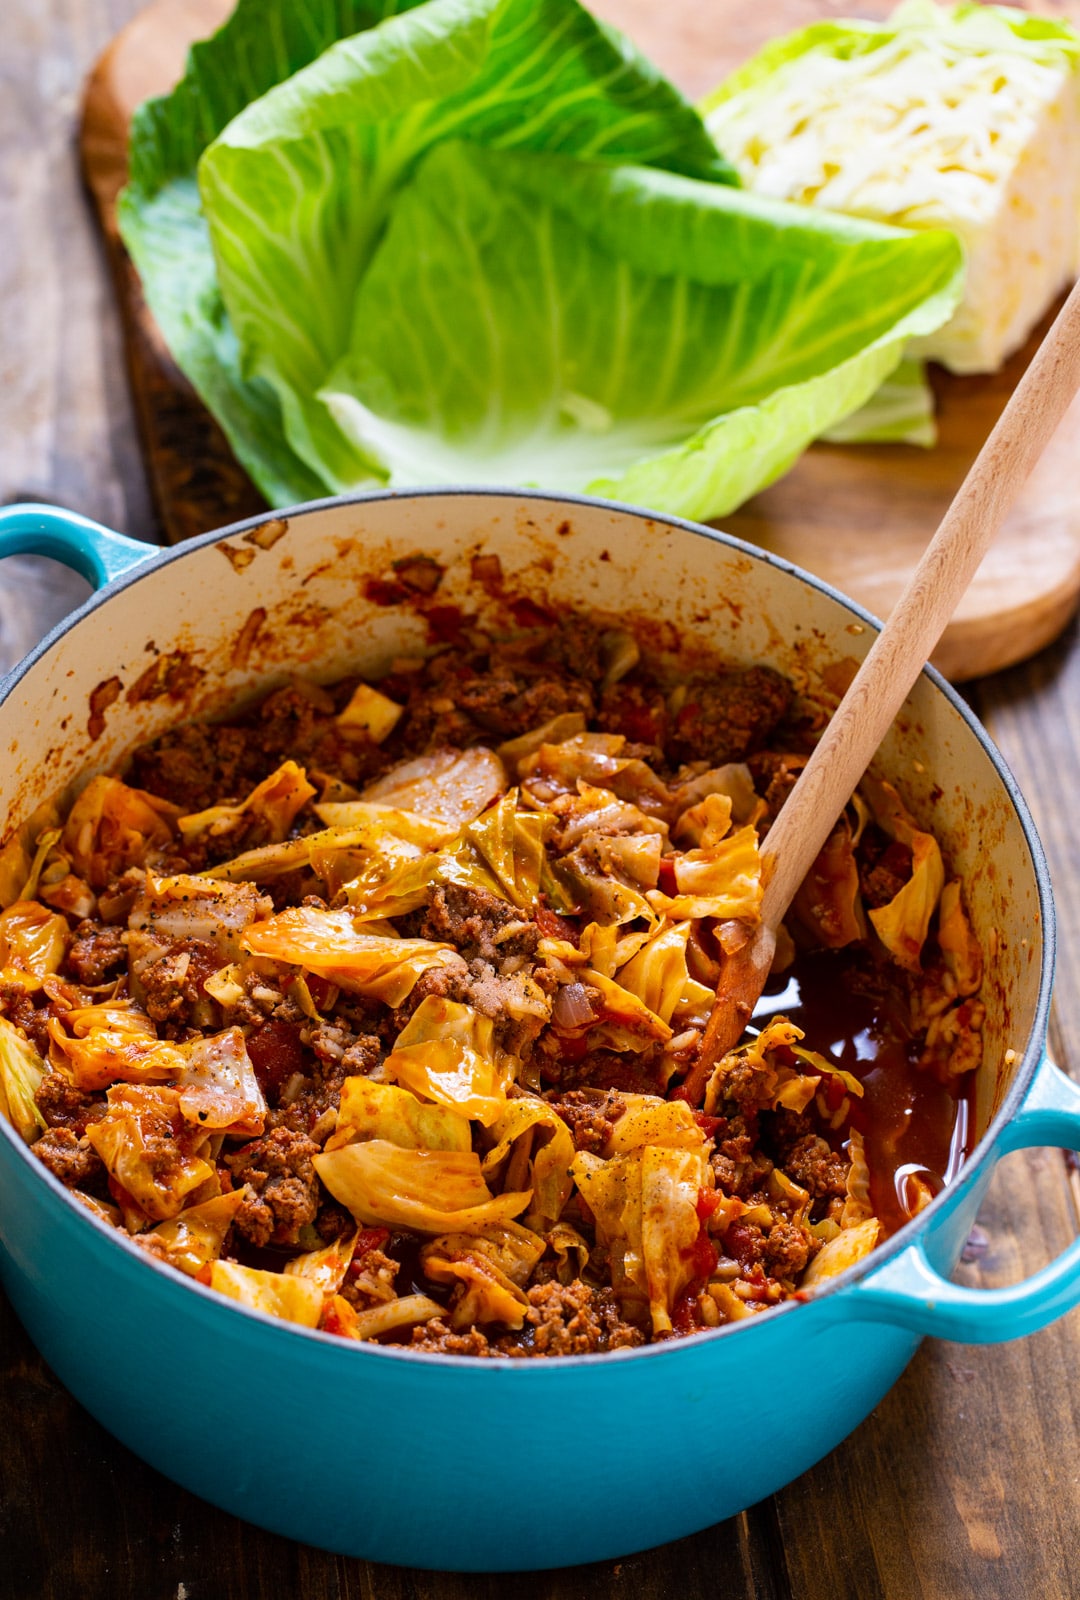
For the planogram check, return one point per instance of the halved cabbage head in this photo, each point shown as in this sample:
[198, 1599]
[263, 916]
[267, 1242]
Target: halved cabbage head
[965, 117]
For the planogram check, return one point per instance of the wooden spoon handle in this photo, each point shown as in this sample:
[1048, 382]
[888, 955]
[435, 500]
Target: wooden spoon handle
[918, 619]
[892, 665]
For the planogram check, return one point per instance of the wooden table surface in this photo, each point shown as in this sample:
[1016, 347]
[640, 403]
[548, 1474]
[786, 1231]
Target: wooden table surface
[965, 1482]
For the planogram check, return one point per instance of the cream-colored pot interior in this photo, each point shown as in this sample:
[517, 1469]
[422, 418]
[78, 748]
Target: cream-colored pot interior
[305, 593]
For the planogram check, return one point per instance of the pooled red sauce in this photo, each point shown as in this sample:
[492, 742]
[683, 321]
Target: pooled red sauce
[276, 1053]
[912, 1124]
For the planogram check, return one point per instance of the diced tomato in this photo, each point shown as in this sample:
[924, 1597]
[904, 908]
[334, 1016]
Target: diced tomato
[708, 1125]
[741, 1240]
[686, 716]
[529, 614]
[666, 880]
[707, 1201]
[835, 1089]
[573, 1048]
[552, 926]
[703, 1256]
[445, 623]
[332, 1323]
[706, 1255]
[276, 1053]
[320, 989]
[203, 961]
[370, 1239]
[682, 1093]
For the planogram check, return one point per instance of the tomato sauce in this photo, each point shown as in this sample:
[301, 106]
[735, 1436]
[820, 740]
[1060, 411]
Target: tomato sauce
[914, 1127]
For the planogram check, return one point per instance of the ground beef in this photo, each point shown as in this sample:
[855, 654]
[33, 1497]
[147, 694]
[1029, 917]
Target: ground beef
[20, 1010]
[775, 776]
[433, 722]
[747, 1087]
[881, 884]
[506, 707]
[639, 712]
[478, 923]
[293, 719]
[511, 1001]
[740, 1167]
[173, 986]
[299, 722]
[819, 1170]
[202, 765]
[438, 1338]
[198, 765]
[884, 868]
[744, 1242]
[788, 1249]
[504, 993]
[458, 704]
[64, 1106]
[562, 1063]
[576, 646]
[154, 1246]
[439, 983]
[328, 1052]
[96, 951]
[341, 1050]
[370, 1280]
[260, 1002]
[590, 1115]
[781, 1131]
[725, 718]
[278, 1168]
[571, 1320]
[333, 1222]
[116, 900]
[71, 1159]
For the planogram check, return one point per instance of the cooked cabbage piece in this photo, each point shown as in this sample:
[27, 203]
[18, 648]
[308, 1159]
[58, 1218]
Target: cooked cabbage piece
[417, 1061]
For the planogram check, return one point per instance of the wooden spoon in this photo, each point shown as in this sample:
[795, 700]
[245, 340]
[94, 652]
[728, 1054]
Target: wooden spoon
[894, 662]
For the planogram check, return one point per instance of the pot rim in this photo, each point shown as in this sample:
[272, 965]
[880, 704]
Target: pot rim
[882, 1254]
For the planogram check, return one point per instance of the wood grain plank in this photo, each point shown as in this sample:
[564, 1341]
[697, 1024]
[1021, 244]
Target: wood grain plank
[963, 1484]
[66, 431]
[1033, 713]
[194, 477]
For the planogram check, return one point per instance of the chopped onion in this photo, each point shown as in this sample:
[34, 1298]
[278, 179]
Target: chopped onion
[571, 1007]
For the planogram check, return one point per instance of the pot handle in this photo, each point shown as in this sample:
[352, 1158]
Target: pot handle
[911, 1293]
[96, 552]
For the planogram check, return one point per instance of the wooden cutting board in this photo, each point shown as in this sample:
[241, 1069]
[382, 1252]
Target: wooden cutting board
[858, 516]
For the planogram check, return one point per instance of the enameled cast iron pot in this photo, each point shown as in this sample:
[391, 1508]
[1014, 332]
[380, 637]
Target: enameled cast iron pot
[486, 1465]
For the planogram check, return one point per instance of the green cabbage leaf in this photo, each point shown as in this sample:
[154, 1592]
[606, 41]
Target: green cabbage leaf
[484, 240]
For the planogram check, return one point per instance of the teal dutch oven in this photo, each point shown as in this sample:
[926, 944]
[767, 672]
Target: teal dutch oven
[463, 1464]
